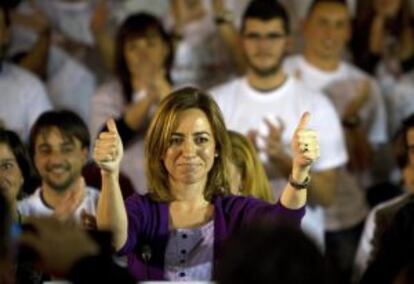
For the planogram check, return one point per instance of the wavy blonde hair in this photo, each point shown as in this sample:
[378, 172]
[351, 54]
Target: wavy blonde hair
[253, 176]
[157, 141]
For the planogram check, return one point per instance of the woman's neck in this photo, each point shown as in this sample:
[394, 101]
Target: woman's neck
[188, 195]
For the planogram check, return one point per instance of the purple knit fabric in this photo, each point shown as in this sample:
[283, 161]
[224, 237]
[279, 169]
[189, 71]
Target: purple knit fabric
[148, 228]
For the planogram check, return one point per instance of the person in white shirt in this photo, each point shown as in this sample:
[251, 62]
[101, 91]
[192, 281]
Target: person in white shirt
[143, 56]
[357, 98]
[23, 97]
[59, 146]
[266, 105]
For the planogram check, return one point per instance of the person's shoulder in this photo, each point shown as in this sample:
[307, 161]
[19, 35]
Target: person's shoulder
[225, 89]
[292, 61]
[304, 91]
[110, 86]
[391, 205]
[355, 71]
[30, 203]
[22, 77]
[231, 201]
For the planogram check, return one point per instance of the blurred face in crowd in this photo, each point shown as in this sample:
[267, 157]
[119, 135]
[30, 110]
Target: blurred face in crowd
[327, 31]
[265, 44]
[59, 160]
[190, 156]
[11, 177]
[387, 7]
[145, 55]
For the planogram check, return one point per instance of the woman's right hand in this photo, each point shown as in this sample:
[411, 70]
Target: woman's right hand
[108, 150]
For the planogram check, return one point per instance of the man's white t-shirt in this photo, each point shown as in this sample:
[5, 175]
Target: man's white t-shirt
[245, 109]
[34, 205]
[340, 86]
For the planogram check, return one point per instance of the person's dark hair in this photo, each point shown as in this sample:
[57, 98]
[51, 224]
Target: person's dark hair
[158, 140]
[400, 146]
[69, 124]
[138, 25]
[317, 2]
[12, 140]
[269, 254]
[266, 10]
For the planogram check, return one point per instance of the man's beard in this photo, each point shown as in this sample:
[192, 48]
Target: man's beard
[266, 72]
[62, 186]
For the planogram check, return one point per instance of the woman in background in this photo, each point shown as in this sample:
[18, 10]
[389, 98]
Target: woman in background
[247, 174]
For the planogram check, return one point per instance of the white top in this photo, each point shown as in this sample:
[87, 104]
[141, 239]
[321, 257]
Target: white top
[23, 98]
[245, 108]
[34, 205]
[340, 86]
[363, 253]
[107, 102]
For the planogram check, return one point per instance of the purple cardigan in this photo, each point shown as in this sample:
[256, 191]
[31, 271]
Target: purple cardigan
[148, 227]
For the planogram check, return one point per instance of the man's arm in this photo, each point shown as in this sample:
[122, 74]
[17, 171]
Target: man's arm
[322, 189]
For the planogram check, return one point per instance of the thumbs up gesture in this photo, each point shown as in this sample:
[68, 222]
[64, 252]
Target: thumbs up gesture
[305, 145]
[108, 150]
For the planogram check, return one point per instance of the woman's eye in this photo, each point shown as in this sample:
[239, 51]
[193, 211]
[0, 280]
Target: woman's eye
[6, 166]
[175, 140]
[201, 140]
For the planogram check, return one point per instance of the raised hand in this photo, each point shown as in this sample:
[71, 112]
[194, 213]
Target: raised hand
[305, 145]
[274, 145]
[108, 150]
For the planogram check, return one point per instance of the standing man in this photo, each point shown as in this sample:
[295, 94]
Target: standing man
[266, 104]
[358, 100]
[59, 146]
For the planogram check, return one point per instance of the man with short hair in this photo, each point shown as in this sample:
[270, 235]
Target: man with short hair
[357, 98]
[23, 97]
[267, 104]
[59, 145]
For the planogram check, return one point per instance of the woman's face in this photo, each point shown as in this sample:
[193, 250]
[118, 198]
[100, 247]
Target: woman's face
[11, 178]
[387, 8]
[190, 155]
[145, 56]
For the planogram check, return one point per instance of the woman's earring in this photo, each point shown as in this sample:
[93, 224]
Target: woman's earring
[216, 155]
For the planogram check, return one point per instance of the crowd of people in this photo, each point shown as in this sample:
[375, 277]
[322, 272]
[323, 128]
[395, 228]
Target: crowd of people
[236, 141]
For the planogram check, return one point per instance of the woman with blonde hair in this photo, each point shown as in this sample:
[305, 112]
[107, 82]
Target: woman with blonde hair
[176, 232]
[248, 176]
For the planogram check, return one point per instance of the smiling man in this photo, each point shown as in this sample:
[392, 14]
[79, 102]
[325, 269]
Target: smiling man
[59, 144]
[357, 98]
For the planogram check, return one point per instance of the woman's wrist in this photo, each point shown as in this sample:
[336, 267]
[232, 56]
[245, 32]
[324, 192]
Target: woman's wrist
[300, 174]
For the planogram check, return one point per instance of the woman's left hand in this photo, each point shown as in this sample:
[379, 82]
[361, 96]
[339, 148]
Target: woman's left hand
[305, 145]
